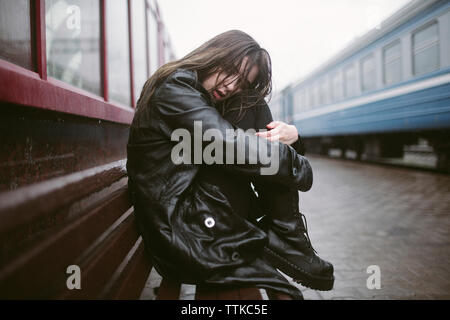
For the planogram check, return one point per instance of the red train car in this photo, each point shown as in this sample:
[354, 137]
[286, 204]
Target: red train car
[71, 72]
[70, 75]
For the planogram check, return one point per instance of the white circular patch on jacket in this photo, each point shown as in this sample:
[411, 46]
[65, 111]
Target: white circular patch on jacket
[209, 222]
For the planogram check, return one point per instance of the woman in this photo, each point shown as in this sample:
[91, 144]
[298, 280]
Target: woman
[198, 219]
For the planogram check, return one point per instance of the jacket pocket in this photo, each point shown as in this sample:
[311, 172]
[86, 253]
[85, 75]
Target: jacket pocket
[217, 237]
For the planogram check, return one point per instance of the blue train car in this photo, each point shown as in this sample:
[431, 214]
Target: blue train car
[385, 91]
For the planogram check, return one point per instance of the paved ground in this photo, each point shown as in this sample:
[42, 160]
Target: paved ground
[360, 215]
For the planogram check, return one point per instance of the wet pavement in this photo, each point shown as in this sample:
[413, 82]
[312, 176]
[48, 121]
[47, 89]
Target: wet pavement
[361, 215]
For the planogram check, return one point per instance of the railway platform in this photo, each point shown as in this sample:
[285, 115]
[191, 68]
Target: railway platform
[363, 215]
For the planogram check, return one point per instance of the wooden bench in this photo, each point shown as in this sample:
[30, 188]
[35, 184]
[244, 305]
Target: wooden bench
[83, 219]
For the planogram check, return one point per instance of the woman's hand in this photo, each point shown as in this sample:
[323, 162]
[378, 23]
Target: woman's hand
[280, 131]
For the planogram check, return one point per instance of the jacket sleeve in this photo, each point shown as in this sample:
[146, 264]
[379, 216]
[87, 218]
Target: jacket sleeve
[180, 102]
[299, 146]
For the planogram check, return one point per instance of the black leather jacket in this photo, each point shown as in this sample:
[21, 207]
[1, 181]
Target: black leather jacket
[188, 226]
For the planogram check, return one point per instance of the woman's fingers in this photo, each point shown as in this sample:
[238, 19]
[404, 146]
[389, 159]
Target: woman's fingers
[266, 134]
[274, 138]
[280, 131]
[274, 124]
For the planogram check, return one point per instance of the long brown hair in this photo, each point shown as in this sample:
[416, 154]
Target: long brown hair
[223, 53]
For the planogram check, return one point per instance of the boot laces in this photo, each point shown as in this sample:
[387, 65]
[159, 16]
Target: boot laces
[305, 231]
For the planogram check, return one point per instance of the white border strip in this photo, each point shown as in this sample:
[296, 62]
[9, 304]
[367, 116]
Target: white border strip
[407, 88]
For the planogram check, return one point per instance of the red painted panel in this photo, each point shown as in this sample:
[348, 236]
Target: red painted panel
[24, 87]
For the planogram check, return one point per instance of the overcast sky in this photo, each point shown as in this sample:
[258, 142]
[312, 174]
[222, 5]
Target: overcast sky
[299, 34]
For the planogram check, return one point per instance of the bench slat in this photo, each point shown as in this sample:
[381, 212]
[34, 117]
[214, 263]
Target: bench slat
[129, 279]
[22, 206]
[30, 275]
[104, 259]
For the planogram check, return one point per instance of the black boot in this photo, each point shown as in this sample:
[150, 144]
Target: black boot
[289, 248]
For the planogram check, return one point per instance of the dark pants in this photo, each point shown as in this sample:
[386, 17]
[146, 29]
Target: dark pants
[237, 188]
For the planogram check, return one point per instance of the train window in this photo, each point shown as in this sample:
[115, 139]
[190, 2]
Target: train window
[297, 101]
[368, 73]
[350, 81]
[307, 99]
[323, 92]
[139, 45]
[15, 32]
[316, 94]
[118, 51]
[303, 99]
[311, 97]
[392, 63]
[73, 42]
[426, 50]
[275, 108]
[153, 41]
[337, 90]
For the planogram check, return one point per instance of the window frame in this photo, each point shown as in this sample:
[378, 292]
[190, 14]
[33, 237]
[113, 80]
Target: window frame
[337, 75]
[417, 30]
[384, 64]
[34, 88]
[346, 92]
[323, 91]
[363, 77]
